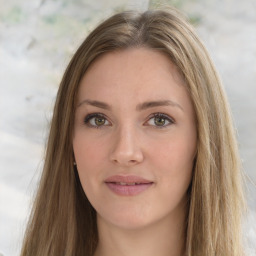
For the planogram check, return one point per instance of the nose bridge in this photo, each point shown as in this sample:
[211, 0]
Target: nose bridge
[126, 147]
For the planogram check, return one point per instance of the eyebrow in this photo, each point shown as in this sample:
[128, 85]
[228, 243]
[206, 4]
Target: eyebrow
[139, 107]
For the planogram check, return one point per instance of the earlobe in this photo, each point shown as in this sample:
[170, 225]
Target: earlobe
[74, 159]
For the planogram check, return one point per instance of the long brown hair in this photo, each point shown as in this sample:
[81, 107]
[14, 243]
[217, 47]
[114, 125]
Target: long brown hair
[62, 220]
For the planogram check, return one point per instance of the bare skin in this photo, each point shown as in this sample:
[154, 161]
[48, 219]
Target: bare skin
[135, 121]
[165, 239]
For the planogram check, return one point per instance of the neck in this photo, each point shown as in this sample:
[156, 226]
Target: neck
[164, 238]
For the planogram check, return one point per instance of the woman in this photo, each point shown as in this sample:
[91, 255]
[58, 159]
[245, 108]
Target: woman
[141, 158]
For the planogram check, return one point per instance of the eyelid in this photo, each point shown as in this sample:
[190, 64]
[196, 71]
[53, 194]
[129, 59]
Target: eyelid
[93, 115]
[165, 116]
[153, 115]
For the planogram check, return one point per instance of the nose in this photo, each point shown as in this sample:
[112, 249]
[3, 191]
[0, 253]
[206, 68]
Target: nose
[126, 149]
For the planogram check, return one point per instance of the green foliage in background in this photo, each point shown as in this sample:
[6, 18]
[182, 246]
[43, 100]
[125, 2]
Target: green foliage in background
[14, 15]
[176, 3]
[179, 4]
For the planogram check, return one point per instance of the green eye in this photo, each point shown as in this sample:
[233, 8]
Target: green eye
[159, 121]
[96, 120]
[99, 121]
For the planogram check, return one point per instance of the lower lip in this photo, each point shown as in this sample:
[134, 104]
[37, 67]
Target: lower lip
[128, 190]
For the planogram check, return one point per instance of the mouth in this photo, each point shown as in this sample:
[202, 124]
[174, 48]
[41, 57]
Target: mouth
[127, 185]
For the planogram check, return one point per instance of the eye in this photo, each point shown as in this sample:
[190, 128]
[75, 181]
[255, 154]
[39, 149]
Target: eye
[160, 120]
[96, 120]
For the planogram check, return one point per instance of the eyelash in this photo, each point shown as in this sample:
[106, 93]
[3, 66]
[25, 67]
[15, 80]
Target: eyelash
[154, 115]
[93, 115]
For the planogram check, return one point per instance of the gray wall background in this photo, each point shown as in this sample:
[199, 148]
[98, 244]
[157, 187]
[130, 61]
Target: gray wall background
[37, 39]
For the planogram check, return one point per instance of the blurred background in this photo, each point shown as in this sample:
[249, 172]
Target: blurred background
[37, 40]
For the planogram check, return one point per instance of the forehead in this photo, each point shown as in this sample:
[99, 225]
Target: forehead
[132, 74]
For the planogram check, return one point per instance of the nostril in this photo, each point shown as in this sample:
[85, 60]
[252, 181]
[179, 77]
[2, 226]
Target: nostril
[126, 161]
[126, 153]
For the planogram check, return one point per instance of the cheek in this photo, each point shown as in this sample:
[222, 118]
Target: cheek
[174, 162]
[175, 153]
[174, 175]
[89, 157]
[86, 151]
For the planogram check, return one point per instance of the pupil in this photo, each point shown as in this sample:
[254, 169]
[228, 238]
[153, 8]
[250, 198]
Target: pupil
[159, 121]
[99, 121]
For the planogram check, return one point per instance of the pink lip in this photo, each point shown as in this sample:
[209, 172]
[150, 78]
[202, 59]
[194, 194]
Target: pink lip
[128, 189]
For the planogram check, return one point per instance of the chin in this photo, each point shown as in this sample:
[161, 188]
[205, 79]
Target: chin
[128, 221]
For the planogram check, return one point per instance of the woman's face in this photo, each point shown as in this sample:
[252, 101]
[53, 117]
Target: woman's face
[134, 138]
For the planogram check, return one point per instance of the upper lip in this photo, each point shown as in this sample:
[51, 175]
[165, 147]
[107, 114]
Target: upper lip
[127, 179]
